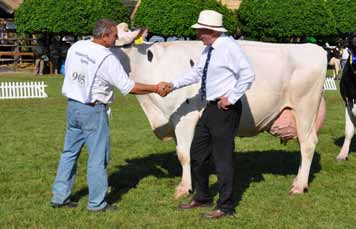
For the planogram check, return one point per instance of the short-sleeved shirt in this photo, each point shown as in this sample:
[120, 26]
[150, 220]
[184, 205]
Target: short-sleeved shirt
[345, 54]
[110, 74]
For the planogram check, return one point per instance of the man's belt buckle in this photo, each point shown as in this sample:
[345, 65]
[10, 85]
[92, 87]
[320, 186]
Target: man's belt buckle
[213, 102]
[95, 103]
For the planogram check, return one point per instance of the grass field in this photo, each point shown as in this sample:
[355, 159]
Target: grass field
[145, 171]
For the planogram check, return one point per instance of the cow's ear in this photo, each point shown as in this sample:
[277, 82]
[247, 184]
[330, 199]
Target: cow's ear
[149, 55]
[191, 63]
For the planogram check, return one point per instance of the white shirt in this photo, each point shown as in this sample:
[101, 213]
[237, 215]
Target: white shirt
[110, 74]
[229, 72]
[82, 63]
[345, 54]
[91, 73]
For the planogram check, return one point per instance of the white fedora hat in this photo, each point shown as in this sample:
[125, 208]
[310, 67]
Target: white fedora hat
[210, 19]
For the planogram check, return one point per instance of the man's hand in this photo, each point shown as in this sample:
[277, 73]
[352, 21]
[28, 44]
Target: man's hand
[164, 88]
[224, 103]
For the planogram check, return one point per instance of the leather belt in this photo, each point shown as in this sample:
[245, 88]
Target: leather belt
[95, 103]
[89, 104]
[213, 102]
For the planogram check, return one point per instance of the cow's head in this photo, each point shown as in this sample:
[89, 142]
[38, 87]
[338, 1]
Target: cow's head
[162, 61]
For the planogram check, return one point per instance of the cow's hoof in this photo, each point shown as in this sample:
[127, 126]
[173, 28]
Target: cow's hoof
[342, 158]
[295, 190]
[181, 192]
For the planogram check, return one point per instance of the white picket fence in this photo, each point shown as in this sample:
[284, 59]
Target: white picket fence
[26, 90]
[22, 90]
[329, 84]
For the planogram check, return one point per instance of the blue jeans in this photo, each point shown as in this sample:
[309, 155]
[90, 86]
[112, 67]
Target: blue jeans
[85, 125]
[343, 62]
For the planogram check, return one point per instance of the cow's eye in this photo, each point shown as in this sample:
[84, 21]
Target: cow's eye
[149, 55]
[191, 63]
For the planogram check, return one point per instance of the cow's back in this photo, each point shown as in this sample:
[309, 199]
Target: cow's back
[283, 71]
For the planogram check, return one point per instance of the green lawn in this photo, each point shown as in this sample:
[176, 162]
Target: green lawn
[145, 171]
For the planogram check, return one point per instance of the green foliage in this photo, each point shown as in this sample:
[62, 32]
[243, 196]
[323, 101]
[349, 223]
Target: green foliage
[171, 17]
[263, 19]
[345, 15]
[63, 16]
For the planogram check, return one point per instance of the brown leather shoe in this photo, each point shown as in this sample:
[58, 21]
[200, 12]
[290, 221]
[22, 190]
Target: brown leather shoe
[195, 204]
[216, 214]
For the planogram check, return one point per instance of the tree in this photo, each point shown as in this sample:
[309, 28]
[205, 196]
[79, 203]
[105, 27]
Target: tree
[279, 19]
[345, 15]
[171, 17]
[67, 17]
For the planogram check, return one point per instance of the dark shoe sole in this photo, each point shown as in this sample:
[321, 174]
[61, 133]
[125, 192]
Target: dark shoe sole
[69, 204]
[226, 214]
[108, 207]
[207, 205]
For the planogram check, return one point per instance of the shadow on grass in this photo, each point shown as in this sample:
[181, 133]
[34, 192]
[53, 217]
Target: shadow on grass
[129, 175]
[250, 167]
[340, 141]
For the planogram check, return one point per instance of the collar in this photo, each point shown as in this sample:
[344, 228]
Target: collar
[219, 41]
[98, 45]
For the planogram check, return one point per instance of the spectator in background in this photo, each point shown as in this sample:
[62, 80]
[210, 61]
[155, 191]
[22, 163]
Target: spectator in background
[238, 34]
[156, 38]
[172, 38]
[40, 57]
[344, 57]
[54, 53]
[63, 49]
[2, 32]
[141, 37]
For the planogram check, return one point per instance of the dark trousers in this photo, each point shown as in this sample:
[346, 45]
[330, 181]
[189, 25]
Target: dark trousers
[214, 140]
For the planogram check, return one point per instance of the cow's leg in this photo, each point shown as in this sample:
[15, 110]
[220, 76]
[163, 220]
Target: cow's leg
[337, 68]
[184, 132]
[349, 133]
[307, 147]
[307, 136]
[334, 72]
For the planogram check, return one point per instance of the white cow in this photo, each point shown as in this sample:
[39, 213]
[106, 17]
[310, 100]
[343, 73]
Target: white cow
[284, 99]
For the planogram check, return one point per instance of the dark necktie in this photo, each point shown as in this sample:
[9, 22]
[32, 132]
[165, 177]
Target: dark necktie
[203, 78]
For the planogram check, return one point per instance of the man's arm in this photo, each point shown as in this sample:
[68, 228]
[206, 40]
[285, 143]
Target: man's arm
[243, 72]
[140, 88]
[120, 80]
[242, 69]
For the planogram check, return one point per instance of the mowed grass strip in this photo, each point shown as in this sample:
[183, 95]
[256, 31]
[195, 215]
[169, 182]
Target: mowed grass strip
[144, 172]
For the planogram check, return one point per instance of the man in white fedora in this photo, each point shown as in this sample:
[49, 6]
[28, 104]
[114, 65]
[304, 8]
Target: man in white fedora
[225, 74]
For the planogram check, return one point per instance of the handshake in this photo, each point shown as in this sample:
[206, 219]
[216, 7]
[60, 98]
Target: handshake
[164, 88]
